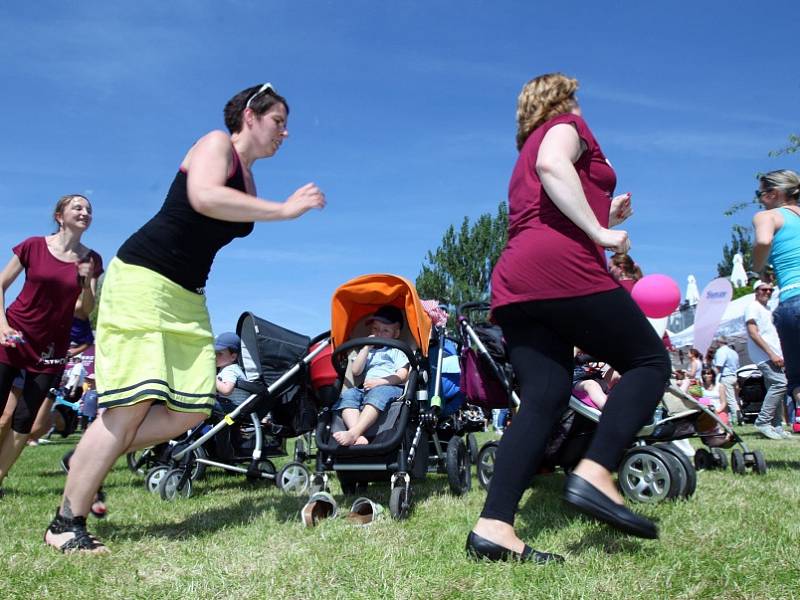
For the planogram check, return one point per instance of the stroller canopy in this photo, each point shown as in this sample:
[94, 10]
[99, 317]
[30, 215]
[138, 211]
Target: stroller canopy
[360, 297]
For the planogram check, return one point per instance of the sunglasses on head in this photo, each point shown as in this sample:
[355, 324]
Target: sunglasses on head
[267, 87]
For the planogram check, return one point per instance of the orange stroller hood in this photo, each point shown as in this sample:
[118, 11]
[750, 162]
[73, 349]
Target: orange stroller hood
[363, 295]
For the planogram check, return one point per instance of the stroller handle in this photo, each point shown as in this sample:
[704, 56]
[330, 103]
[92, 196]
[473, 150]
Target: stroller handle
[341, 351]
[470, 307]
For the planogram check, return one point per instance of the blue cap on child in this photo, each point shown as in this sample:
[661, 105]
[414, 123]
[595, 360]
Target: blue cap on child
[227, 341]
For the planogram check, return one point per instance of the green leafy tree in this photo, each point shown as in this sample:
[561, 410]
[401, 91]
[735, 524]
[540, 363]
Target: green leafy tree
[740, 242]
[794, 146]
[459, 270]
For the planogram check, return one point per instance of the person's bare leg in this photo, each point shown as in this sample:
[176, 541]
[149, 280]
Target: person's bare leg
[599, 477]
[161, 424]
[96, 453]
[8, 413]
[595, 391]
[350, 416]
[355, 434]
[12, 446]
[44, 419]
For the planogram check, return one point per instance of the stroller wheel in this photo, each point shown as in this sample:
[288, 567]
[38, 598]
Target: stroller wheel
[703, 460]
[293, 478]
[153, 478]
[760, 465]
[485, 465]
[138, 460]
[472, 446]
[459, 473]
[737, 462]
[265, 471]
[176, 483]
[400, 502]
[720, 459]
[648, 474]
[300, 452]
[689, 484]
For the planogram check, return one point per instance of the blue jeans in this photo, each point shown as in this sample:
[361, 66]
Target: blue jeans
[787, 321]
[379, 397]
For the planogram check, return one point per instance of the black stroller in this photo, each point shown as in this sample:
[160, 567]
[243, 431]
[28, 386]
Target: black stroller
[654, 468]
[751, 391]
[281, 406]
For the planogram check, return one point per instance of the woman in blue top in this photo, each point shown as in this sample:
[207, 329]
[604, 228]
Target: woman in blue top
[155, 354]
[777, 240]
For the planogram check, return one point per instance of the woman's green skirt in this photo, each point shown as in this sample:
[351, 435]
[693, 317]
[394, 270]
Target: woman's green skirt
[154, 342]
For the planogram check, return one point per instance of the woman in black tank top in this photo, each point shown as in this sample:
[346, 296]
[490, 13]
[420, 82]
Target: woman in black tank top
[153, 306]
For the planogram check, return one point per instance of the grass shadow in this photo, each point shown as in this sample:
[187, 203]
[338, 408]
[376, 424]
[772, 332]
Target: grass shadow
[205, 522]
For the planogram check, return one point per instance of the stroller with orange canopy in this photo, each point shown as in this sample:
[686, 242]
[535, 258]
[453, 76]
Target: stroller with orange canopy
[400, 441]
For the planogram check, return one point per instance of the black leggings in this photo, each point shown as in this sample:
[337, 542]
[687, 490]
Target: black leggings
[33, 394]
[540, 336]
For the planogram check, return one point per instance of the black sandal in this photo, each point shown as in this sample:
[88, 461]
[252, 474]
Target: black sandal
[82, 540]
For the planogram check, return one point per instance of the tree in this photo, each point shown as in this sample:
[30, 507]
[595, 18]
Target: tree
[460, 269]
[794, 146]
[740, 242]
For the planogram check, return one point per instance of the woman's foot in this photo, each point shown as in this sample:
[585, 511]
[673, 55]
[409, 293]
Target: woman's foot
[70, 535]
[588, 499]
[479, 547]
[99, 508]
[600, 478]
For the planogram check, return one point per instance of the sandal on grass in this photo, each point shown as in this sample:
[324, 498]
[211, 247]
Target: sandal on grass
[319, 506]
[70, 535]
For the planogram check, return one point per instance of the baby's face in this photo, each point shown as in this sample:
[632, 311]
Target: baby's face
[225, 357]
[384, 330]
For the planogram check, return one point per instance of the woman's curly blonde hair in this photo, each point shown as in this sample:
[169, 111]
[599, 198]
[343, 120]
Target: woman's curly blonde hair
[542, 99]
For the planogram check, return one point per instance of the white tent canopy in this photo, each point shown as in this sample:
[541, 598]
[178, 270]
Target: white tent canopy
[732, 324]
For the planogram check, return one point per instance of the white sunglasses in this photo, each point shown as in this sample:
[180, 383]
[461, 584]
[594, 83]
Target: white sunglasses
[267, 87]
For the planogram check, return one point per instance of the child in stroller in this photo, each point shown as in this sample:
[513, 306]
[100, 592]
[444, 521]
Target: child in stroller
[228, 347]
[385, 371]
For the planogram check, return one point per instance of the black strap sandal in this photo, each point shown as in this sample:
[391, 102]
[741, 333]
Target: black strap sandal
[82, 540]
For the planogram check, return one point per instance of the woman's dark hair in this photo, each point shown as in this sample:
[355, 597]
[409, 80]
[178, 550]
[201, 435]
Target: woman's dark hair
[260, 102]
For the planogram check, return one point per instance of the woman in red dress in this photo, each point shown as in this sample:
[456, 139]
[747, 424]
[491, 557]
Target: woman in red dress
[34, 330]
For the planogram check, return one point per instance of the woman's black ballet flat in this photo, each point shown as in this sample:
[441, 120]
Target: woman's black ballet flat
[583, 496]
[479, 547]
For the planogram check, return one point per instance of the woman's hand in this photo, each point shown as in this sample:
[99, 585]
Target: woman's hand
[302, 200]
[85, 271]
[620, 209]
[612, 239]
[10, 337]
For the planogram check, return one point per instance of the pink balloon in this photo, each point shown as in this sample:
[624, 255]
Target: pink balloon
[657, 295]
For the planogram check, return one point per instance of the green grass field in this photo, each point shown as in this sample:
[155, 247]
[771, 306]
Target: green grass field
[737, 537]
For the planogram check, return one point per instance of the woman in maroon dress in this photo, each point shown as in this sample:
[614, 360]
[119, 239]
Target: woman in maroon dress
[34, 330]
[551, 291]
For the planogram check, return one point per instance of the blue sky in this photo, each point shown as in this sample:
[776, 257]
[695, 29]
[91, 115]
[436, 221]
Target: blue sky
[402, 112]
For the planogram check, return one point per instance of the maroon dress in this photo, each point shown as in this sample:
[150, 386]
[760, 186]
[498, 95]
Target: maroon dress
[547, 256]
[43, 310]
